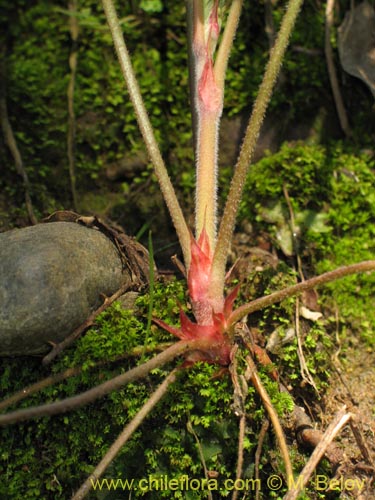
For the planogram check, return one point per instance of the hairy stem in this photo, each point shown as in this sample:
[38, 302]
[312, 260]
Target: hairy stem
[74, 371]
[273, 298]
[206, 181]
[209, 105]
[101, 390]
[221, 61]
[125, 436]
[147, 131]
[235, 193]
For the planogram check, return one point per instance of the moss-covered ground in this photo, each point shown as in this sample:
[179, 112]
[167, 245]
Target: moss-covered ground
[48, 458]
[308, 208]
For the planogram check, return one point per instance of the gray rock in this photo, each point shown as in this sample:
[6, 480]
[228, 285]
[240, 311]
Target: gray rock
[51, 278]
[356, 43]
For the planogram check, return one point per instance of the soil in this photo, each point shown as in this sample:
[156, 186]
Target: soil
[353, 384]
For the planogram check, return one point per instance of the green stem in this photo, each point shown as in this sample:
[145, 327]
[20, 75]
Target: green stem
[235, 193]
[273, 298]
[147, 131]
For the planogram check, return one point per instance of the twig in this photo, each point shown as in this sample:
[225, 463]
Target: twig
[72, 372]
[101, 390]
[125, 435]
[239, 398]
[74, 33]
[255, 379]
[10, 140]
[333, 429]
[269, 23]
[252, 374]
[309, 436]
[305, 372]
[362, 445]
[58, 348]
[258, 452]
[304, 369]
[241, 438]
[344, 123]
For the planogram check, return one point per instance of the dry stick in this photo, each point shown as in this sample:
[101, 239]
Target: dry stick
[191, 72]
[332, 71]
[258, 452]
[241, 437]
[333, 429]
[308, 435]
[125, 435]
[362, 445]
[101, 390]
[74, 33]
[72, 372]
[269, 23]
[273, 298]
[58, 348]
[305, 372]
[254, 377]
[10, 140]
[239, 397]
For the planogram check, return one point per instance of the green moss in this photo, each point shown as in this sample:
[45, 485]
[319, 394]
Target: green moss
[332, 197]
[49, 457]
[330, 190]
[39, 44]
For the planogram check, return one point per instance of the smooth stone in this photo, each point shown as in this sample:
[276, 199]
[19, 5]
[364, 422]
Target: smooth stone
[51, 278]
[356, 43]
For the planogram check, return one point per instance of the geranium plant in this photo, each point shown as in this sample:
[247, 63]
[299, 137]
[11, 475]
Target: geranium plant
[210, 335]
